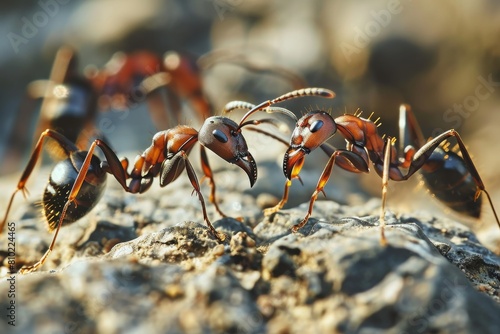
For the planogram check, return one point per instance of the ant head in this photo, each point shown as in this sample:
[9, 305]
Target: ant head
[222, 136]
[311, 131]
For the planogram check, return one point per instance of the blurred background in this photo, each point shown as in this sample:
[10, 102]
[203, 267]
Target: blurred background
[443, 58]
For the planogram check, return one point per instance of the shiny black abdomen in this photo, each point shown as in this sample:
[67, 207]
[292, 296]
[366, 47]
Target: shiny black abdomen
[61, 181]
[448, 179]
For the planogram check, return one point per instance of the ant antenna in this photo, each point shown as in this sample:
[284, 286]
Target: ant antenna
[321, 92]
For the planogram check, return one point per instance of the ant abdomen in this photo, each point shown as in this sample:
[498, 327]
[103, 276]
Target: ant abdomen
[60, 183]
[448, 179]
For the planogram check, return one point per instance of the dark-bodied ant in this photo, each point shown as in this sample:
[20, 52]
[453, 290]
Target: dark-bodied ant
[71, 100]
[77, 183]
[450, 177]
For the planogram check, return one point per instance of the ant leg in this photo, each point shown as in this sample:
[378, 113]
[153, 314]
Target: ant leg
[58, 72]
[385, 182]
[196, 186]
[113, 165]
[351, 161]
[159, 98]
[282, 202]
[71, 200]
[288, 183]
[34, 267]
[116, 169]
[205, 166]
[172, 168]
[323, 179]
[187, 82]
[423, 154]
[409, 129]
[294, 175]
[63, 142]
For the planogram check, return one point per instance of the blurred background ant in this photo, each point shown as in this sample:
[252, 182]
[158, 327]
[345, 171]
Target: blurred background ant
[71, 101]
[77, 183]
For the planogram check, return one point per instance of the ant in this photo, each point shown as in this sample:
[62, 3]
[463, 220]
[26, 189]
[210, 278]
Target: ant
[77, 183]
[450, 177]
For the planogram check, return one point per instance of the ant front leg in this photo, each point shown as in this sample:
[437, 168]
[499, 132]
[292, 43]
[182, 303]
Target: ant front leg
[282, 202]
[297, 169]
[171, 168]
[288, 183]
[385, 183]
[347, 160]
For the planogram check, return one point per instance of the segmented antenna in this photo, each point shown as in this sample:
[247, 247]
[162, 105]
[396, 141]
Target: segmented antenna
[320, 92]
[233, 105]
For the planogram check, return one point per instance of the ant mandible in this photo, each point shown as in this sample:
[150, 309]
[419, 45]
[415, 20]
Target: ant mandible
[77, 183]
[451, 178]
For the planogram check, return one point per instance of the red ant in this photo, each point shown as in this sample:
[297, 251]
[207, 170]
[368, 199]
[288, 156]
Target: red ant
[128, 77]
[77, 183]
[71, 100]
[451, 178]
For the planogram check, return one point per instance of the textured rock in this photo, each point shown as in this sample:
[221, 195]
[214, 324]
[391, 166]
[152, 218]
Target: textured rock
[148, 264]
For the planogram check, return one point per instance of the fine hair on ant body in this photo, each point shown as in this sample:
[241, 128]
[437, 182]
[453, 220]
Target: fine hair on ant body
[450, 177]
[77, 183]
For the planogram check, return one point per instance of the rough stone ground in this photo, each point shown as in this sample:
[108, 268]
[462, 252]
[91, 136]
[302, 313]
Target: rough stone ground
[148, 264]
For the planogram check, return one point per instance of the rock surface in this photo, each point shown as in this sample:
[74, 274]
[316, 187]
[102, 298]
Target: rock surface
[148, 264]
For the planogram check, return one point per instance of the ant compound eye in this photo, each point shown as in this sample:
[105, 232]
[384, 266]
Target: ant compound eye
[315, 126]
[220, 136]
